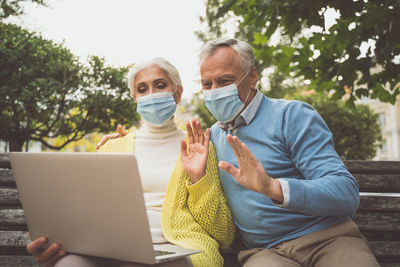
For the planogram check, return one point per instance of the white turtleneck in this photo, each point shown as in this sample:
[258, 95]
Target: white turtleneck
[157, 149]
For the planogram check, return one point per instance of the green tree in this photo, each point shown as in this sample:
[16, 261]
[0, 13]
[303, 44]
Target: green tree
[331, 59]
[199, 108]
[15, 7]
[45, 92]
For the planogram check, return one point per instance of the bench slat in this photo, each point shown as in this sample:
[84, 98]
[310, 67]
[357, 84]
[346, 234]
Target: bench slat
[378, 182]
[9, 197]
[379, 202]
[369, 224]
[6, 178]
[370, 166]
[12, 218]
[366, 182]
[16, 239]
[26, 261]
[4, 161]
[385, 248]
[378, 222]
[368, 201]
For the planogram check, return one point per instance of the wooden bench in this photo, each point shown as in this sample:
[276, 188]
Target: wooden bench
[378, 216]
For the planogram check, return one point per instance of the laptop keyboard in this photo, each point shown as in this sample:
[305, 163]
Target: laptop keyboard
[163, 252]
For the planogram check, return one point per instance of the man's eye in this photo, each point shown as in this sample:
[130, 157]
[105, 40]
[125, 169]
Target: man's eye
[206, 85]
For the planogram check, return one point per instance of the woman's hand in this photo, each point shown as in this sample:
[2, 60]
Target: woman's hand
[120, 133]
[251, 173]
[194, 161]
[45, 256]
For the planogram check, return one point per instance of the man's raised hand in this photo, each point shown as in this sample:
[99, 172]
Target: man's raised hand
[251, 173]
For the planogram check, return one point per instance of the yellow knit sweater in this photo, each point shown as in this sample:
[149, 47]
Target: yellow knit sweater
[193, 216]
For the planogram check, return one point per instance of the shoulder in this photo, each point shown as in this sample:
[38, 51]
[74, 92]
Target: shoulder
[282, 105]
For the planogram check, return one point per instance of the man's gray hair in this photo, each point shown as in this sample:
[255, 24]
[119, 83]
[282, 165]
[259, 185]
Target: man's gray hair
[243, 49]
[164, 64]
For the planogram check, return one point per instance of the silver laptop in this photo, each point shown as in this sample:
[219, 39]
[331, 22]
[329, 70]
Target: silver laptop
[90, 203]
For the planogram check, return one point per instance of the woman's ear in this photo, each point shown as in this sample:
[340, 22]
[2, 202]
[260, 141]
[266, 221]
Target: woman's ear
[178, 94]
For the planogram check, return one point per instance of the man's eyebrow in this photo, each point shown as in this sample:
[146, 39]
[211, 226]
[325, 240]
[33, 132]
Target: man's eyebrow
[225, 76]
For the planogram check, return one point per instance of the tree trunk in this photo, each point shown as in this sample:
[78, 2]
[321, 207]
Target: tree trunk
[16, 144]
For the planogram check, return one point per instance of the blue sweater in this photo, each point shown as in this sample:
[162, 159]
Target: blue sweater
[293, 143]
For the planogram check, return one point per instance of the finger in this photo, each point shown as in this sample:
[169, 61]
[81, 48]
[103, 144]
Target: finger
[226, 167]
[200, 133]
[34, 248]
[190, 132]
[238, 145]
[195, 131]
[207, 138]
[233, 145]
[246, 152]
[53, 260]
[106, 138]
[121, 130]
[48, 253]
[102, 141]
[183, 149]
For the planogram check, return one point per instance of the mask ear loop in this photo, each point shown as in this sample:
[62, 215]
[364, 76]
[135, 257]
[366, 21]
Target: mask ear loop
[243, 77]
[248, 93]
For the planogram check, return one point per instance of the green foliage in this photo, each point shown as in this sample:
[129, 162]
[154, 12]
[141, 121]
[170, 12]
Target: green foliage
[356, 131]
[45, 92]
[15, 7]
[205, 117]
[330, 58]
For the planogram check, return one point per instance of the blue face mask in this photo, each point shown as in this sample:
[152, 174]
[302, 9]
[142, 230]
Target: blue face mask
[156, 108]
[224, 102]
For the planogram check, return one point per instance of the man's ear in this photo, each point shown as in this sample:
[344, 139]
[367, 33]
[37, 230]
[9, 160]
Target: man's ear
[253, 77]
[178, 94]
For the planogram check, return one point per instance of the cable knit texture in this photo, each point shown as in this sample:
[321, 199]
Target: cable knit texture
[193, 216]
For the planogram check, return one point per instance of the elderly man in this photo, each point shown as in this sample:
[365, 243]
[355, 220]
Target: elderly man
[290, 194]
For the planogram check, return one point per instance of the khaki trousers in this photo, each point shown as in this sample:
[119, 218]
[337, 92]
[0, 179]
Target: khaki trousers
[341, 245]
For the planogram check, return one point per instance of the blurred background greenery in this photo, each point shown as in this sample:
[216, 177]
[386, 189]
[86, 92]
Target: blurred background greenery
[330, 54]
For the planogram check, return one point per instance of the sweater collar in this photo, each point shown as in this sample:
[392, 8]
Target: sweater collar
[151, 131]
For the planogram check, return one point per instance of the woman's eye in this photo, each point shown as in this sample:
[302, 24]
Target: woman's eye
[161, 85]
[141, 90]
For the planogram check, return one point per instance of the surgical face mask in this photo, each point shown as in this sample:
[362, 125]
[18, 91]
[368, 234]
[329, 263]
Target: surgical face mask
[224, 102]
[156, 108]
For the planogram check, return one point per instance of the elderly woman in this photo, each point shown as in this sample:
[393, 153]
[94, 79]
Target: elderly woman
[185, 203]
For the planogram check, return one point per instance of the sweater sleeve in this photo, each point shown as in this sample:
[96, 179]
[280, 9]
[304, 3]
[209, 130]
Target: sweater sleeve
[186, 226]
[327, 188]
[208, 205]
[124, 144]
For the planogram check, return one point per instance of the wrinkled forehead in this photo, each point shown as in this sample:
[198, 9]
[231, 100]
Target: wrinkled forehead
[223, 60]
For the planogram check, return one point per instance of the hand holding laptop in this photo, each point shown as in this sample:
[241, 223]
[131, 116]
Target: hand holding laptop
[46, 256]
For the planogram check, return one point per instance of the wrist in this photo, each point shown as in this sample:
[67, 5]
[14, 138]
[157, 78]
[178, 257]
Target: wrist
[194, 178]
[274, 191]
